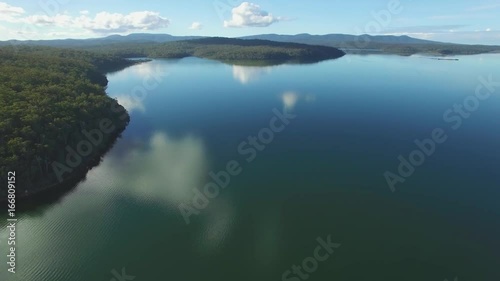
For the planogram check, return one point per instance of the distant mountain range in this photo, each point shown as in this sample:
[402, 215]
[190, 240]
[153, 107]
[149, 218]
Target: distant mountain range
[403, 45]
[112, 39]
[328, 39]
[339, 39]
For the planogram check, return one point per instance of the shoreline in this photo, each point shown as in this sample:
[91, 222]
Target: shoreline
[55, 190]
[77, 176]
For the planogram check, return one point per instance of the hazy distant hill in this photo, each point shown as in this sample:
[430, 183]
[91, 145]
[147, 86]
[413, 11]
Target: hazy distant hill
[328, 40]
[233, 50]
[113, 39]
[403, 45]
[339, 39]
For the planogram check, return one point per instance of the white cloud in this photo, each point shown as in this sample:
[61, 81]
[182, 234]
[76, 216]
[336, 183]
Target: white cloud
[67, 34]
[6, 9]
[196, 26]
[57, 20]
[84, 12]
[250, 15]
[488, 29]
[10, 13]
[105, 22]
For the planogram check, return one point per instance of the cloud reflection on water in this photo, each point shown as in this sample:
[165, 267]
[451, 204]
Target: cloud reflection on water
[163, 169]
[247, 74]
[131, 104]
[290, 100]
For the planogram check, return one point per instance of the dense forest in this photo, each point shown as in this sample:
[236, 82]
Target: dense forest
[48, 98]
[431, 49]
[224, 49]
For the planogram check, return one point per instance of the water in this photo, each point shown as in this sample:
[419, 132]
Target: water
[323, 175]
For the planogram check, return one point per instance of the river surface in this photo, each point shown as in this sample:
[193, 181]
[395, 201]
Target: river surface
[322, 139]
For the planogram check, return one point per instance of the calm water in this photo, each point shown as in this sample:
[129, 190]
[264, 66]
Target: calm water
[322, 175]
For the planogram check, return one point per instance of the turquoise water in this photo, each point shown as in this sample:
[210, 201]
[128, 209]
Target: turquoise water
[321, 175]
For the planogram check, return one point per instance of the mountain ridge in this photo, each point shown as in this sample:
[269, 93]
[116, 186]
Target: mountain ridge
[163, 38]
[392, 44]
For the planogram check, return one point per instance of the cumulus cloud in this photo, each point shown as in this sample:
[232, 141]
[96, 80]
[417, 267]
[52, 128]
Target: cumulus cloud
[6, 9]
[105, 22]
[10, 13]
[57, 20]
[250, 15]
[196, 26]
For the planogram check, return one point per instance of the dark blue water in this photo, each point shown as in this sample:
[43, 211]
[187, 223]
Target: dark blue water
[320, 175]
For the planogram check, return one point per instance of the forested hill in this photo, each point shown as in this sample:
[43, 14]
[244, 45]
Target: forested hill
[389, 44]
[225, 49]
[48, 98]
[402, 45]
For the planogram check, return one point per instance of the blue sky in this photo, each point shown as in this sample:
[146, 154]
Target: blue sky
[451, 21]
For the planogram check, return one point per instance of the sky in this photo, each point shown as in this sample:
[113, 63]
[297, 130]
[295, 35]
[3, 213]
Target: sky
[458, 21]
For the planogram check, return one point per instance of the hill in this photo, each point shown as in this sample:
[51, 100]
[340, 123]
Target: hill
[49, 99]
[236, 51]
[112, 39]
[402, 45]
[339, 39]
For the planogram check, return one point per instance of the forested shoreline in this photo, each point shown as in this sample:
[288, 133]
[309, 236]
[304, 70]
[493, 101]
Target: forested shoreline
[235, 51]
[51, 100]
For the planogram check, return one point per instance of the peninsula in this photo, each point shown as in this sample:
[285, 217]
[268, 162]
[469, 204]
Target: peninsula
[234, 51]
[51, 101]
